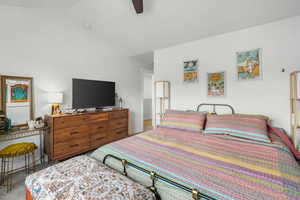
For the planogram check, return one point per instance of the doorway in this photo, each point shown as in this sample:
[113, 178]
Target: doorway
[147, 100]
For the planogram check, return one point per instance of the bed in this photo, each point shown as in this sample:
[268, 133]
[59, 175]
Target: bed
[218, 166]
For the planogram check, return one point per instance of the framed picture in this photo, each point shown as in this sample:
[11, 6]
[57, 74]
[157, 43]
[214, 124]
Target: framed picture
[216, 84]
[17, 99]
[190, 73]
[249, 65]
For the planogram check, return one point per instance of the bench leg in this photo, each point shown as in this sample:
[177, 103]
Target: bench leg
[2, 171]
[10, 174]
[33, 161]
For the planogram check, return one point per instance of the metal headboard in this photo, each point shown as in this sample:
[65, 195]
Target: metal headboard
[214, 107]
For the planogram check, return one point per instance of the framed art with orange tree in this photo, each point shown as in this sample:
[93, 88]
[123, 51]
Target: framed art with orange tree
[216, 84]
[17, 99]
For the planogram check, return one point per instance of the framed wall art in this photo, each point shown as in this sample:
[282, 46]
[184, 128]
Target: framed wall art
[190, 73]
[216, 84]
[249, 65]
[17, 99]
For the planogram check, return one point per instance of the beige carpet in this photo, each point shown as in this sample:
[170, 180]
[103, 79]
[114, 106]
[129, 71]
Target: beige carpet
[18, 191]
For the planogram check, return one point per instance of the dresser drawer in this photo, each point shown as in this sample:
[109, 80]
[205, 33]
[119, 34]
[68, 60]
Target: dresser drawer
[119, 133]
[64, 122]
[118, 114]
[98, 117]
[99, 138]
[99, 127]
[118, 123]
[66, 134]
[71, 146]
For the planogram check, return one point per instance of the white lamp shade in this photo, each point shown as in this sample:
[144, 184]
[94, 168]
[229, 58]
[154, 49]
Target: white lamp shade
[55, 97]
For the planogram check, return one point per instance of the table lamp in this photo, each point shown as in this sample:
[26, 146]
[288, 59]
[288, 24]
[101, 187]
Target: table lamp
[55, 98]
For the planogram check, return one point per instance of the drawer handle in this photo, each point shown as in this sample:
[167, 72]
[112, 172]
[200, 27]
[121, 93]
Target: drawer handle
[119, 132]
[100, 138]
[100, 127]
[74, 133]
[74, 145]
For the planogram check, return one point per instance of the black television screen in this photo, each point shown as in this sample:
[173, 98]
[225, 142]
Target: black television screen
[93, 94]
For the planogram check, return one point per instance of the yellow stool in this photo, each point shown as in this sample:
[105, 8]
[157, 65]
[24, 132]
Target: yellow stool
[8, 154]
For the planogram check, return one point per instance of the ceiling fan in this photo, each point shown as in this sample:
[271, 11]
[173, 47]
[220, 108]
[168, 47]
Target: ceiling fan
[138, 5]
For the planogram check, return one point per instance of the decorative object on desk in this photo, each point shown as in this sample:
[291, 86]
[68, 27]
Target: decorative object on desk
[249, 64]
[39, 122]
[121, 102]
[67, 109]
[17, 101]
[162, 99]
[55, 98]
[190, 71]
[31, 124]
[2, 125]
[5, 123]
[216, 84]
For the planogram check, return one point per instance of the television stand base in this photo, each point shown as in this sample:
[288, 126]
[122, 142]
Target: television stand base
[106, 108]
[80, 110]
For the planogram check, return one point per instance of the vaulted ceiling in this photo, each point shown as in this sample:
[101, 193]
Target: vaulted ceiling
[169, 22]
[166, 22]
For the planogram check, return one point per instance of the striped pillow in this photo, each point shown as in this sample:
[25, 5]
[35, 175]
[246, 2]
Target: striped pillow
[250, 127]
[184, 120]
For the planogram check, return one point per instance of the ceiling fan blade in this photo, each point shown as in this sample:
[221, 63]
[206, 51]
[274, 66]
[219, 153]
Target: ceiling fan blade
[138, 5]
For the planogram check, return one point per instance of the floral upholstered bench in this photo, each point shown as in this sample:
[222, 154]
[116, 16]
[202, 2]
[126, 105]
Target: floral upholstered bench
[83, 178]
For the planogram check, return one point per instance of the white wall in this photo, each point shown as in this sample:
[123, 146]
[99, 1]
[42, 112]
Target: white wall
[53, 50]
[280, 43]
[147, 96]
[147, 86]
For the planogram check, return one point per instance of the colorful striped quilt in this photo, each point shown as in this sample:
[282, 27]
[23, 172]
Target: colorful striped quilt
[219, 166]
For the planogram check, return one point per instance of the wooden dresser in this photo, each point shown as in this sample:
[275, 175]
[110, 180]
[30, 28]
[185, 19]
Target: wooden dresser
[71, 135]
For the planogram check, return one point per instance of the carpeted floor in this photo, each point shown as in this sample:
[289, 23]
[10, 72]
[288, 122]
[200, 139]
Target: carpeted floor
[18, 191]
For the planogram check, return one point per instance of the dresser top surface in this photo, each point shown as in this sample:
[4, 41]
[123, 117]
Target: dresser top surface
[88, 113]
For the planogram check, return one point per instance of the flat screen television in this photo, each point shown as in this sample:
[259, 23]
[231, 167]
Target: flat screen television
[93, 94]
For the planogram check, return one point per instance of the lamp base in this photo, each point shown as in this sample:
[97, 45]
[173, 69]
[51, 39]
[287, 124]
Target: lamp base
[55, 109]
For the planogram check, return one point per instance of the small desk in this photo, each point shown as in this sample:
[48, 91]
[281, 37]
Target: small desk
[15, 134]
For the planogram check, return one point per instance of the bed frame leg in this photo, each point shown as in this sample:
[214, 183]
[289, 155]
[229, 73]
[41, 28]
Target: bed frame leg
[195, 194]
[124, 163]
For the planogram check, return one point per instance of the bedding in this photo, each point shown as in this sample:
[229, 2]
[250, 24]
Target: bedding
[219, 166]
[249, 127]
[184, 120]
[83, 178]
